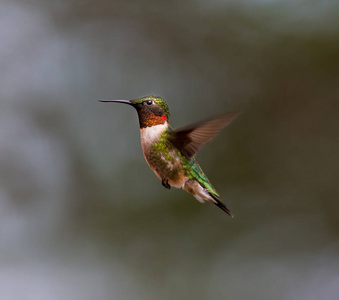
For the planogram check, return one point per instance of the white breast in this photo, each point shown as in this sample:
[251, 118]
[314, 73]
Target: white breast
[149, 135]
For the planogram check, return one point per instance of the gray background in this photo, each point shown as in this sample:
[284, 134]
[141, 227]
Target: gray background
[81, 214]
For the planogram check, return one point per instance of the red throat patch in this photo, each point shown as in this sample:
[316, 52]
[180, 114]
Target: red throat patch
[153, 120]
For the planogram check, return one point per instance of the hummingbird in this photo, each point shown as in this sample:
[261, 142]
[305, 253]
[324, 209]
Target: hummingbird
[171, 153]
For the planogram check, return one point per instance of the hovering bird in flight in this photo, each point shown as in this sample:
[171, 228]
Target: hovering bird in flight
[170, 153]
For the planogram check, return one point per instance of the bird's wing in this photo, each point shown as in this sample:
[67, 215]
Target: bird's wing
[188, 140]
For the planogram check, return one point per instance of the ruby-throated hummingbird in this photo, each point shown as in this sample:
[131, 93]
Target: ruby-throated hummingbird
[170, 153]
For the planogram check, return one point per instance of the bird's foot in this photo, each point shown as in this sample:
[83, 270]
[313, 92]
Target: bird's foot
[165, 183]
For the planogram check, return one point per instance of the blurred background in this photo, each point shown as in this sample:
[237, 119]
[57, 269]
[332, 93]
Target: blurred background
[81, 214]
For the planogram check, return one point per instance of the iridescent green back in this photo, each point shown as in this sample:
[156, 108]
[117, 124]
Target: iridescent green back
[194, 171]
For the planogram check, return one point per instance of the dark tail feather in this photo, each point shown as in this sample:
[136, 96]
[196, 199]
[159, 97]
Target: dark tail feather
[219, 203]
[224, 208]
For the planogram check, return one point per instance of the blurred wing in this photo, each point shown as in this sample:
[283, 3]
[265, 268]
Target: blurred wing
[189, 139]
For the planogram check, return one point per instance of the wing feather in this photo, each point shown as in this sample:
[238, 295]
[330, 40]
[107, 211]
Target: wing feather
[188, 140]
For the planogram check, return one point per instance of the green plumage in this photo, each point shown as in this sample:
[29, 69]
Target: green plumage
[195, 172]
[161, 103]
[162, 156]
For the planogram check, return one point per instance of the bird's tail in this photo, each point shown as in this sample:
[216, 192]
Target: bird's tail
[221, 205]
[204, 191]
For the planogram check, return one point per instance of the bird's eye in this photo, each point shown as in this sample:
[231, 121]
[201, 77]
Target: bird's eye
[149, 102]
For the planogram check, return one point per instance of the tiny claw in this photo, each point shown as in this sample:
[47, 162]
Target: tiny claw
[165, 183]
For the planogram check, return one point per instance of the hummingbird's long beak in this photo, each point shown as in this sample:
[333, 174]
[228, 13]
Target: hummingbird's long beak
[119, 101]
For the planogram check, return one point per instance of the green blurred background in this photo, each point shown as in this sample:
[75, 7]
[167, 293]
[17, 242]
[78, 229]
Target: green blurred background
[81, 214]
